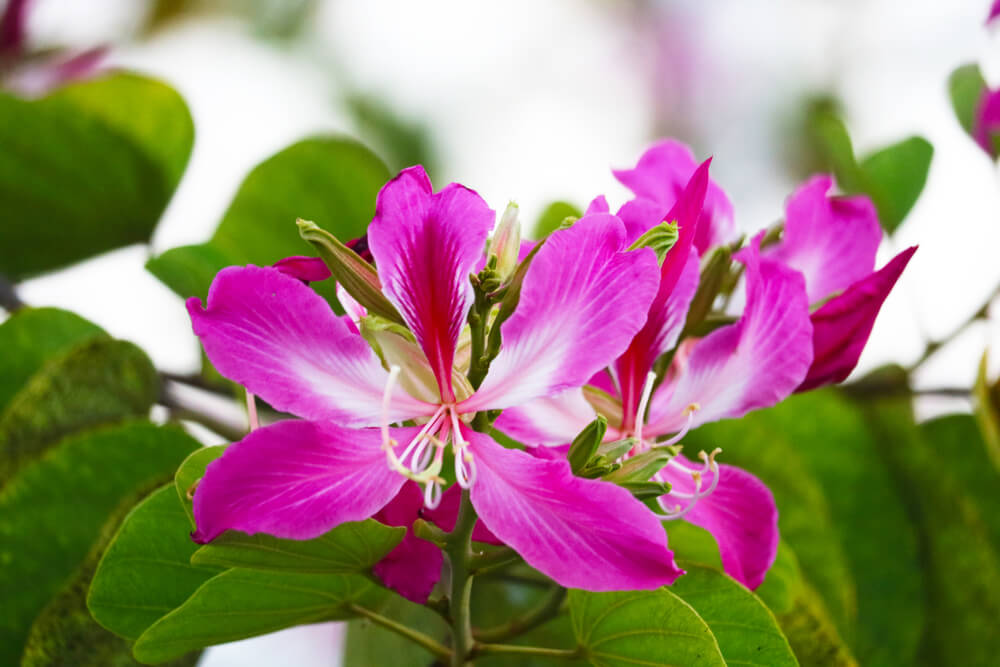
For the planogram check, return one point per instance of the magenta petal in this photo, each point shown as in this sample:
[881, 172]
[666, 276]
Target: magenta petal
[307, 269]
[446, 513]
[754, 363]
[831, 240]
[583, 533]
[994, 12]
[425, 245]
[740, 514]
[598, 205]
[986, 124]
[296, 479]
[414, 566]
[279, 339]
[661, 174]
[582, 300]
[842, 325]
[552, 420]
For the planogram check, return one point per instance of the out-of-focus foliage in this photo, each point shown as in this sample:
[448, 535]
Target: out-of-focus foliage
[86, 169]
[553, 216]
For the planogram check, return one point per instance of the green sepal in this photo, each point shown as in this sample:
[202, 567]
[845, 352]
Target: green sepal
[641, 467]
[585, 444]
[713, 278]
[646, 490]
[660, 238]
[356, 275]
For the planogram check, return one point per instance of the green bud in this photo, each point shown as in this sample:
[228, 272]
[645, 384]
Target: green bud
[506, 243]
[647, 490]
[641, 467]
[660, 238]
[356, 275]
[585, 444]
[617, 449]
[567, 222]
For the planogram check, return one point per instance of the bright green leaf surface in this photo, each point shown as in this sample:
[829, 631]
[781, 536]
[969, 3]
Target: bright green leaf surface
[192, 470]
[66, 634]
[86, 169]
[745, 629]
[350, 547]
[895, 177]
[812, 635]
[630, 628]
[332, 181]
[965, 88]
[244, 603]
[53, 510]
[552, 217]
[32, 336]
[96, 382]
[146, 571]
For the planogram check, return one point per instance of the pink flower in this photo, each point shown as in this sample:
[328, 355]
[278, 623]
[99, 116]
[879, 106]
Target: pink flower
[753, 363]
[832, 242]
[583, 298]
[994, 12]
[986, 123]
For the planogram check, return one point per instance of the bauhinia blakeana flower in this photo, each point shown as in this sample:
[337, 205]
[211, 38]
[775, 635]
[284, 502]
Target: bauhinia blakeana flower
[986, 122]
[832, 242]
[753, 363]
[584, 296]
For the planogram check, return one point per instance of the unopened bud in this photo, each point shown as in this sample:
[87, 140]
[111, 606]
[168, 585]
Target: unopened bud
[660, 238]
[586, 443]
[506, 243]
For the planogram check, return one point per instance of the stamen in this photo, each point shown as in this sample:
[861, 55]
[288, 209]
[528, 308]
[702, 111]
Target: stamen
[698, 476]
[390, 384]
[432, 495]
[252, 411]
[689, 410]
[640, 417]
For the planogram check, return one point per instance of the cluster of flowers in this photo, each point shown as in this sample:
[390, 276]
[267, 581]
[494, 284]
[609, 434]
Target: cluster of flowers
[388, 410]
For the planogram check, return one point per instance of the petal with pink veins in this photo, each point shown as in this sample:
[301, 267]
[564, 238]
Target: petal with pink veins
[414, 566]
[842, 325]
[425, 244]
[297, 480]
[831, 240]
[753, 363]
[740, 514]
[661, 174]
[279, 339]
[582, 300]
[553, 420]
[582, 533]
[598, 204]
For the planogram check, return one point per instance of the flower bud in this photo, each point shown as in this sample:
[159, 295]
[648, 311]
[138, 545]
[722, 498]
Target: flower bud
[660, 238]
[506, 243]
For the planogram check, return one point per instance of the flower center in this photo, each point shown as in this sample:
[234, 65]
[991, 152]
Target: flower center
[422, 458]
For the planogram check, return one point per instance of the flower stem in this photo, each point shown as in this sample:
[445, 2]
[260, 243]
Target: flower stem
[547, 609]
[459, 552]
[435, 648]
[9, 299]
[513, 649]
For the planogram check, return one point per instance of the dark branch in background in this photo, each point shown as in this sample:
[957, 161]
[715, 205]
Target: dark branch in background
[933, 346]
[192, 411]
[9, 300]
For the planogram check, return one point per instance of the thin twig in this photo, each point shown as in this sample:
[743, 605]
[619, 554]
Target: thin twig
[513, 649]
[437, 649]
[548, 608]
[9, 300]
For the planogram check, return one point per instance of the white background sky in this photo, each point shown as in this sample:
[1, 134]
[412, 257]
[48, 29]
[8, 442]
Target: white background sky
[535, 101]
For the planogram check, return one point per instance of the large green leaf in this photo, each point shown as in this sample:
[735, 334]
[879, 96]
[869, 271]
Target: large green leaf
[244, 603]
[895, 177]
[630, 628]
[869, 518]
[961, 561]
[332, 181]
[52, 511]
[32, 336]
[805, 518]
[66, 634]
[86, 169]
[146, 570]
[812, 635]
[350, 547]
[96, 382]
[745, 629]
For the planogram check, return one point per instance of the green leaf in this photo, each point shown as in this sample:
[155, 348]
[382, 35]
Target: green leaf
[52, 511]
[350, 547]
[330, 180]
[553, 216]
[368, 644]
[32, 336]
[66, 634]
[965, 88]
[895, 177]
[402, 141]
[782, 582]
[986, 408]
[641, 628]
[962, 563]
[812, 635]
[86, 169]
[96, 382]
[190, 472]
[746, 630]
[869, 517]
[244, 603]
[146, 570]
